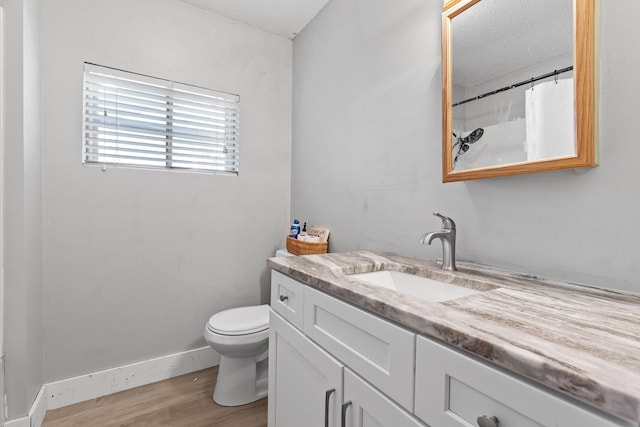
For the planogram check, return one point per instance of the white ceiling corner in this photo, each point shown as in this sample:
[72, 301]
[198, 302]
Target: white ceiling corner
[282, 17]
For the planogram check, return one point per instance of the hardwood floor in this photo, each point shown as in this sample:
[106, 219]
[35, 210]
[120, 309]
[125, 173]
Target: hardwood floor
[177, 402]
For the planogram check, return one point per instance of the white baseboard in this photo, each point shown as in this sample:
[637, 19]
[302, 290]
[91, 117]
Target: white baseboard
[39, 408]
[90, 386]
[20, 422]
[36, 413]
[84, 387]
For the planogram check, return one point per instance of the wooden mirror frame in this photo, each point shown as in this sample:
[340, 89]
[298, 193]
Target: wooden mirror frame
[585, 85]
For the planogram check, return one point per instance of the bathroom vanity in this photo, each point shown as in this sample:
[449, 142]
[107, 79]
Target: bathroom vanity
[514, 351]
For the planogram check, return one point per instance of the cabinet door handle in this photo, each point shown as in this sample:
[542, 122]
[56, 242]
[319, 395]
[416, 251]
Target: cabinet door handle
[283, 298]
[345, 406]
[327, 396]
[488, 421]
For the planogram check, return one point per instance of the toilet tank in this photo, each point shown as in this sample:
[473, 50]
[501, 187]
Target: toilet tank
[284, 252]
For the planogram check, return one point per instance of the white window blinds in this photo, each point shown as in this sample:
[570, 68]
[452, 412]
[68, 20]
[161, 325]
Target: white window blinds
[136, 120]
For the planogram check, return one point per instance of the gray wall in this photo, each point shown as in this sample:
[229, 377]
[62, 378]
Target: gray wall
[136, 261]
[22, 170]
[366, 152]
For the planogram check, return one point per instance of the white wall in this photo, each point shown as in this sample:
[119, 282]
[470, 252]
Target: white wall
[2, 156]
[135, 261]
[22, 239]
[367, 142]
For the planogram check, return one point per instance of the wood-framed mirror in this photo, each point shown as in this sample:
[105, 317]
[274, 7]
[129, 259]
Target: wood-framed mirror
[519, 87]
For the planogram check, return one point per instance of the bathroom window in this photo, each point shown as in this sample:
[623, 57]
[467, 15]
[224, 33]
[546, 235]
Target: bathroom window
[136, 120]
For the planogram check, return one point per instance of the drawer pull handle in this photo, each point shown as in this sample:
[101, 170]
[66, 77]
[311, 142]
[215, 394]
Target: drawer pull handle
[487, 421]
[345, 406]
[283, 298]
[327, 396]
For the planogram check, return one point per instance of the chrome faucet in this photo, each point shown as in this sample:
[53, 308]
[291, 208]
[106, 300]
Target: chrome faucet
[448, 237]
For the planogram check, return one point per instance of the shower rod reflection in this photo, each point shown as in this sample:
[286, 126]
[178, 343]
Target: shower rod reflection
[515, 85]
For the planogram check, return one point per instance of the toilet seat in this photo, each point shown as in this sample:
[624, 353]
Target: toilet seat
[240, 321]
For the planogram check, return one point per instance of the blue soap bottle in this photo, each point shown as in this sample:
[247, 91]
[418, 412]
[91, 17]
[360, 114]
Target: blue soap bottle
[295, 229]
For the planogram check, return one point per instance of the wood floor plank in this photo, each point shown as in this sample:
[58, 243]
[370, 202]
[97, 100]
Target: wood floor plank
[183, 401]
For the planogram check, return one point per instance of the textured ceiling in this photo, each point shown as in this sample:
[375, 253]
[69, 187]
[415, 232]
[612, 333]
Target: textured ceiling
[283, 17]
[497, 37]
[493, 38]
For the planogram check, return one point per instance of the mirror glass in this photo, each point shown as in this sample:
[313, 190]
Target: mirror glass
[510, 73]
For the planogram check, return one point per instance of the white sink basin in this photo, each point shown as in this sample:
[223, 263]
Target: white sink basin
[417, 286]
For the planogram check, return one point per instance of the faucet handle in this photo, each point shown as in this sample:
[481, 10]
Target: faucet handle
[447, 223]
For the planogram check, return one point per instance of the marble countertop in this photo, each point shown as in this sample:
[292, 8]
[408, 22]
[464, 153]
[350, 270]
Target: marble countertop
[580, 340]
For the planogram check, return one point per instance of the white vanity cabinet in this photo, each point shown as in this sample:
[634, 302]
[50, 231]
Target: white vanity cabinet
[309, 382]
[333, 364]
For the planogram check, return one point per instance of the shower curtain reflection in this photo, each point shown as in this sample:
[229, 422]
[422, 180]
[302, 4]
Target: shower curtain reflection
[550, 120]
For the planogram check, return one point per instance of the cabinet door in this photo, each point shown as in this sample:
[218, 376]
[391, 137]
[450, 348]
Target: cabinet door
[367, 407]
[301, 377]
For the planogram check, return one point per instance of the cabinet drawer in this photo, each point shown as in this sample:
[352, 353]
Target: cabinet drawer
[374, 348]
[453, 390]
[286, 298]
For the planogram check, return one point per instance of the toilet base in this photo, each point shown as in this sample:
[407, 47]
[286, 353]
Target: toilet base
[241, 380]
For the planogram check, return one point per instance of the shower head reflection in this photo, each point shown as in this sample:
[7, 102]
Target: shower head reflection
[463, 143]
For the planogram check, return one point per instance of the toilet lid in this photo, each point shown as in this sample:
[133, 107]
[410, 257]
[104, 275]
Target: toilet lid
[240, 321]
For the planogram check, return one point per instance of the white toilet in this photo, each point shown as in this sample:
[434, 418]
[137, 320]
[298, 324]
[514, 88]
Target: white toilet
[241, 336]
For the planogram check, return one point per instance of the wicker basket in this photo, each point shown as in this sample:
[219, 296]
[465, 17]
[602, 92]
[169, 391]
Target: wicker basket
[298, 247]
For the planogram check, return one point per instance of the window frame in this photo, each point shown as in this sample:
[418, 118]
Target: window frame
[194, 129]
